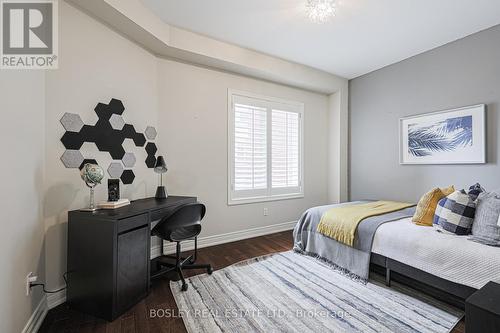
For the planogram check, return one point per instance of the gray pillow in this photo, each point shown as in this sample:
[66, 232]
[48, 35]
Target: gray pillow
[485, 229]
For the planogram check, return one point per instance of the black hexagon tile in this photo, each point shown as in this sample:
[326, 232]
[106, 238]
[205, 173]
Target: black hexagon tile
[151, 148]
[139, 140]
[72, 140]
[151, 161]
[103, 112]
[127, 177]
[116, 106]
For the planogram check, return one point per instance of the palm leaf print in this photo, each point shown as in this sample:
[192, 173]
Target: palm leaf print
[447, 135]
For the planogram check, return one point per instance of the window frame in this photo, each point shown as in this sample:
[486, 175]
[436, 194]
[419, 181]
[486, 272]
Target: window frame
[271, 194]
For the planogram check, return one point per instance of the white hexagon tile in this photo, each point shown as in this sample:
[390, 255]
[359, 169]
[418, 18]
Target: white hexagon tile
[117, 122]
[150, 133]
[129, 160]
[115, 170]
[71, 122]
[72, 158]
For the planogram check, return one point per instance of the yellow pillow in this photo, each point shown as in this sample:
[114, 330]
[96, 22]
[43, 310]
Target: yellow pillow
[448, 190]
[427, 204]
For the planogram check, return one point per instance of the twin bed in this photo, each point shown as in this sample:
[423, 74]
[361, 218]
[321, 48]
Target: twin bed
[443, 262]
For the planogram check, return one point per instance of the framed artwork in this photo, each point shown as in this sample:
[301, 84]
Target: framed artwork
[456, 136]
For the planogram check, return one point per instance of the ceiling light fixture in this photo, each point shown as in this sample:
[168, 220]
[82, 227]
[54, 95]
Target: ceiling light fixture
[320, 11]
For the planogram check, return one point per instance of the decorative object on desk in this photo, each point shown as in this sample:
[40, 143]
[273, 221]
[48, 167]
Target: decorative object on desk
[108, 134]
[160, 168]
[113, 190]
[87, 161]
[92, 175]
[113, 204]
[454, 136]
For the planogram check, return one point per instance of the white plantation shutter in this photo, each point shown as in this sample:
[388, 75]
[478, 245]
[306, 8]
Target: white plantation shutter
[285, 149]
[250, 147]
[265, 151]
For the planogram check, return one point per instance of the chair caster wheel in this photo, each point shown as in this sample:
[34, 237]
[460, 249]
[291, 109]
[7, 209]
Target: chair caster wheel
[184, 287]
[210, 270]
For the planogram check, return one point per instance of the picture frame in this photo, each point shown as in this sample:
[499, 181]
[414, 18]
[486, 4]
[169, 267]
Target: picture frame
[453, 136]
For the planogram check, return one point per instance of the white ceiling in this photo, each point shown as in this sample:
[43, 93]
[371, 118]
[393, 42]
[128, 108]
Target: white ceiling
[364, 36]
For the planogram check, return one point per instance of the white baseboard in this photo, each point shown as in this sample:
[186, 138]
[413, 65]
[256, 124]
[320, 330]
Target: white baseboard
[225, 238]
[56, 299]
[37, 317]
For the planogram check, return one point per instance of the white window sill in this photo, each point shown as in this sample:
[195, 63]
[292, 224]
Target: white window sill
[243, 201]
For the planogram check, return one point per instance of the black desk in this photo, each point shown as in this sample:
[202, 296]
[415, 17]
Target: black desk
[109, 255]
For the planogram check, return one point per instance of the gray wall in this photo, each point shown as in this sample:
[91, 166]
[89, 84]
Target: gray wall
[461, 73]
[22, 110]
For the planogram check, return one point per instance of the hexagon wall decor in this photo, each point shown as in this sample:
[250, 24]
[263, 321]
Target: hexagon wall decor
[151, 159]
[117, 122]
[72, 122]
[128, 160]
[116, 106]
[150, 133]
[127, 177]
[115, 170]
[151, 148]
[108, 134]
[72, 158]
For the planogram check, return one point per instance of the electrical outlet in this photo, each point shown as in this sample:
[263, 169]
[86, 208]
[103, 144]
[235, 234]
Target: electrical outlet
[266, 212]
[30, 278]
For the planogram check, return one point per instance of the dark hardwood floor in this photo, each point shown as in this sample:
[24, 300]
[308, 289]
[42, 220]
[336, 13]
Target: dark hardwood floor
[137, 319]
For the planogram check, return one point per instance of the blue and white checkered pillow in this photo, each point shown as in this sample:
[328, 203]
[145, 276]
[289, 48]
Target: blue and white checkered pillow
[475, 190]
[455, 213]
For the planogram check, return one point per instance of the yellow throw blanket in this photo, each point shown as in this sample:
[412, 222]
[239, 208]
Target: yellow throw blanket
[340, 223]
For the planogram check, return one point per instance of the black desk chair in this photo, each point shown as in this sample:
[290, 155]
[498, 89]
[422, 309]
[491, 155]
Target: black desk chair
[183, 224]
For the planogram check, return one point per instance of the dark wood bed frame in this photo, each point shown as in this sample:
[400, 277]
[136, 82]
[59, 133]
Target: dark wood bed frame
[447, 291]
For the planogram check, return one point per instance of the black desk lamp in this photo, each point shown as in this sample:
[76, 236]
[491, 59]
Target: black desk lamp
[161, 168]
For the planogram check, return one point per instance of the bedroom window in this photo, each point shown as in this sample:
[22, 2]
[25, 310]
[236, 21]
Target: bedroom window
[265, 148]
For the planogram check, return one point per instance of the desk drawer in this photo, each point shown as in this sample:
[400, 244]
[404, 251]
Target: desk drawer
[132, 222]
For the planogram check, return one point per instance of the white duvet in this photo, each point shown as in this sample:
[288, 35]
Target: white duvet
[451, 257]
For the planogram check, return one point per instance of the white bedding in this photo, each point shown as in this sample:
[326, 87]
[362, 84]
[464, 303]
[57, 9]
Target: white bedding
[450, 257]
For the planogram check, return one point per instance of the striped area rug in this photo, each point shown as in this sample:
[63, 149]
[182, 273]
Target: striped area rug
[290, 292]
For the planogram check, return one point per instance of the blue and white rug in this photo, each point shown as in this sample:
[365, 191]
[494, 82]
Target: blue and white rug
[289, 292]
